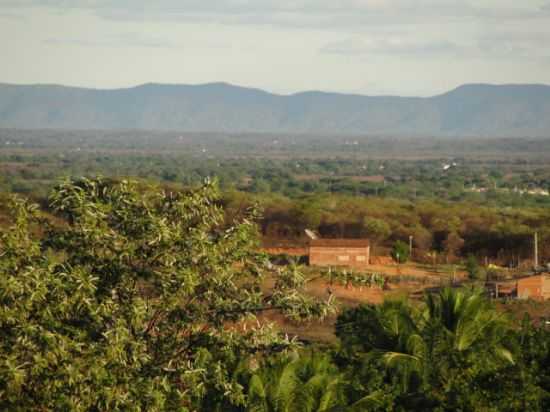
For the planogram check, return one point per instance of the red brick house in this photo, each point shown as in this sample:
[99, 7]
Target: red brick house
[353, 253]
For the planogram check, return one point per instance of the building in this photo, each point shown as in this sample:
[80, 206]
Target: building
[502, 289]
[530, 287]
[354, 253]
[534, 287]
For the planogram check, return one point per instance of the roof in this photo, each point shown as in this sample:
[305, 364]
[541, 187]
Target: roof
[339, 242]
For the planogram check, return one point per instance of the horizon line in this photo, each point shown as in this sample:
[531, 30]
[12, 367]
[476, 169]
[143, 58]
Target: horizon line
[261, 90]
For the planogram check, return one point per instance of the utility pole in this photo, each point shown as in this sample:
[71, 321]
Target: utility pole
[410, 247]
[536, 245]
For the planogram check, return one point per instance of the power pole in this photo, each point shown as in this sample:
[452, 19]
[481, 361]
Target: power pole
[410, 247]
[536, 245]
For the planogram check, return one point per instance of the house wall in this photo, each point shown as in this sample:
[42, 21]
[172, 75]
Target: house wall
[339, 256]
[532, 287]
[545, 287]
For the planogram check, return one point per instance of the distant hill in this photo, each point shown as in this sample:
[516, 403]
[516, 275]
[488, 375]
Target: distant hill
[470, 110]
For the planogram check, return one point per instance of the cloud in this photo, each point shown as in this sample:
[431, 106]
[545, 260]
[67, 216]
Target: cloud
[129, 39]
[322, 14]
[488, 45]
[393, 45]
[11, 16]
[515, 45]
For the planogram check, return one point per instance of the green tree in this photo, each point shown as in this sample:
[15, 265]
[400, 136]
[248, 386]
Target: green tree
[445, 355]
[306, 214]
[136, 303]
[473, 268]
[377, 230]
[400, 252]
[309, 383]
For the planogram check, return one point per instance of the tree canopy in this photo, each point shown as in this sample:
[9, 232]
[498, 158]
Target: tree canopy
[141, 300]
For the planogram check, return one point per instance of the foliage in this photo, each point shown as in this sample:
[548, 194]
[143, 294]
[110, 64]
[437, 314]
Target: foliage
[474, 270]
[377, 230]
[316, 182]
[348, 277]
[309, 383]
[400, 252]
[535, 345]
[453, 244]
[136, 303]
[127, 296]
[454, 353]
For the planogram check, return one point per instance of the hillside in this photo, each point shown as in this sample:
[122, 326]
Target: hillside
[470, 110]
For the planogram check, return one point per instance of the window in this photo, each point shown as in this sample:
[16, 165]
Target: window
[343, 258]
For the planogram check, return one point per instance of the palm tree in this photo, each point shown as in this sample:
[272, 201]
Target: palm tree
[388, 332]
[465, 321]
[434, 349]
[310, 383]
[466, 338]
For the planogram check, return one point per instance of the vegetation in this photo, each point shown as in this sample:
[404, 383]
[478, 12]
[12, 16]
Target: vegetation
[132, 297]
[137, 303]
[309, 382]
[455, 352]
[485, 203]
[474, 269]
[400, 252]
[347, 277]
[149, 293]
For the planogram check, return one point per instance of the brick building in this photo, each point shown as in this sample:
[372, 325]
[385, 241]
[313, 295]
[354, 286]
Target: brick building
[530, 287]
[534, 287]
[353, 253]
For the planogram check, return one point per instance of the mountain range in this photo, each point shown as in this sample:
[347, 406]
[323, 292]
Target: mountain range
[469, 110]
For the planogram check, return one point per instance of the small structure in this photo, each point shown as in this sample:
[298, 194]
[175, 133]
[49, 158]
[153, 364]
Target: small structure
[502, 289]
[529, 287]
[353, 253]
[534, 287]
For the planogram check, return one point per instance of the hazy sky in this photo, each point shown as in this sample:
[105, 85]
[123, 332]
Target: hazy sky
[408, 47]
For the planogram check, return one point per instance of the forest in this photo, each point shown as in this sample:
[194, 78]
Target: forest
[485, 197]
[133, 278]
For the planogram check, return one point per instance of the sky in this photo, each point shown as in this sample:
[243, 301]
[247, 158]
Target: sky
[398, 47]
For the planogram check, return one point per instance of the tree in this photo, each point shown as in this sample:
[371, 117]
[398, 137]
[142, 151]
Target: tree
[309, 383]
[535, 344]
[136, 302]
[400, 252]
[452, 244]
[474, 270]
[376, 229]
[443, 354]
[260, 185]
[422, 239]
[383, 346]
[306, 214]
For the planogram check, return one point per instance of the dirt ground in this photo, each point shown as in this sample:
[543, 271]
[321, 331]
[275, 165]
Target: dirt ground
[404, 281]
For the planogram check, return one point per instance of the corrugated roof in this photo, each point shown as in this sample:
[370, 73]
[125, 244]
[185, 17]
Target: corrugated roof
[339, 242]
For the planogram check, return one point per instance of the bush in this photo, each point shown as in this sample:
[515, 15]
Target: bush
[400, 252]
[474, 270]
